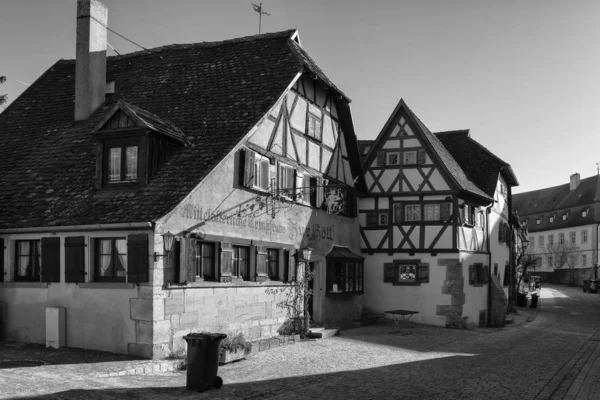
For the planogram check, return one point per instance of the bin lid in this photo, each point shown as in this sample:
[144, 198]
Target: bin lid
[206, 336]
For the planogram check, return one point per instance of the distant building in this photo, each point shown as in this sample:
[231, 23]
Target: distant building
[563, 219]
[434, 224]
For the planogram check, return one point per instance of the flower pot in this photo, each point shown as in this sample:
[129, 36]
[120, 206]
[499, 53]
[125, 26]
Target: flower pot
[228, 356]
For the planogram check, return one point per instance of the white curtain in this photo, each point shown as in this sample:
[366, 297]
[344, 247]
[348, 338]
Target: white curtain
[105, 256]
[24, 258]
[122, 253]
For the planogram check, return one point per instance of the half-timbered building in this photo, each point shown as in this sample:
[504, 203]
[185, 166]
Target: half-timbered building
[434, 223]
[175, 189]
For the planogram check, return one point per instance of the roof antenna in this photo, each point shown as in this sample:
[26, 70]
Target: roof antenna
[598, 168]
[260, 12]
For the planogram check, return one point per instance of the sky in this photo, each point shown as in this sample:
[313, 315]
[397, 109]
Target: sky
[522, 75]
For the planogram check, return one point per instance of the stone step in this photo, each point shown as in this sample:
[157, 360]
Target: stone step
[322, 333]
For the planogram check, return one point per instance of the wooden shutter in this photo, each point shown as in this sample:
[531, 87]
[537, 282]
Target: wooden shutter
[51, 259]
[508, 235]
[174, 259]
[388, 272]
[261, 261]
[398, 212]
[226, 259]
[350, 202]
[241, 167]
[381, 158]
[137, 258]
[248, 175]
[292, 264]
[423, 273]
[321, 183]
[445, 211]
[2, 260]
[472, 275]
[421, 156]
[75, 259]
[187, 261]
[506, 273]
[485, 274]
[372, 218]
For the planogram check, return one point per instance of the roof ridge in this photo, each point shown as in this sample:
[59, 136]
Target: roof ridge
[454, 132]
[557, 186]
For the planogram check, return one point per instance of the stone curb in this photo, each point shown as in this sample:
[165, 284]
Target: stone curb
[157, 366]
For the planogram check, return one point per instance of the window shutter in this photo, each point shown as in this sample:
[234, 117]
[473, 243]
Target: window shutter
[351, 202]
[313, 191]
[51, 259]
[291, 267]
[421, 156]
[75, 259]
[174, 259]
[445, 211]
[506, 276]
[388, 272]
[472, 275]
[137, 258]
[486, 274]
[2, 260]
[261, 261]
[241, 167]
[187, 261]
[371, 218]
[248, 176]
[398, 212]
[321, 183]
[381, 158]
[226, 259]
[508, 235]
[423, 273]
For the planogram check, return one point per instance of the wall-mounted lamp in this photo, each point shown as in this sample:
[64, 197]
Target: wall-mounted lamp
[305, 254]
[168, 244]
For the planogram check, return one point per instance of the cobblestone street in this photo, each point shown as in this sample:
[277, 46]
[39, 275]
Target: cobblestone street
[551, 353]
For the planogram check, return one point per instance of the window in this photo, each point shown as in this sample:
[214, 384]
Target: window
[572, 235]
[468, 214]
[205, 260]
[383, 218]
[478, 274]
[398, 212]
[303, 188]
[28, 260]
[432, 212]
[539, 220]
[550, 240]
[413, 212]
[287, 179]
[240, 262]
[503, 190]
[111, 259]
[584, 260]
[541, 241]
[561, 238]
[314, 126]
[584, 213]
[344, 275]
[122, 164]
[584, 236]
[401, 272]
[410, 157]
[261, 173]
[565, 216]
[393, 158]
[273, 264]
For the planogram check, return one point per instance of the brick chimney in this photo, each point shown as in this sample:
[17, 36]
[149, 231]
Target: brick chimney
[574, 181]
[90, 64]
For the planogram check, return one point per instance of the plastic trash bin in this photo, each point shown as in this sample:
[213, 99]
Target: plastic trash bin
[521, 300]
[534, 300]
[203, 360]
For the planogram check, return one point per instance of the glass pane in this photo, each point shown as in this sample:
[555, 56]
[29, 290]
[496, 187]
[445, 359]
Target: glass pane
[114, 164]
[407, 273]
[24, 257]
[131, 158]
[207, 260]
[38, 257]
[264, 174]
[104, 257]
[121, 265]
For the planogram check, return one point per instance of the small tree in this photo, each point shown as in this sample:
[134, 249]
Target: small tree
[558, 255]
[527, 262]
[572, 261]
[3, 97]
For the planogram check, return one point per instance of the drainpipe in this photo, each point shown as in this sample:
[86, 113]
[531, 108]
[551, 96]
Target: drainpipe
[488, 210]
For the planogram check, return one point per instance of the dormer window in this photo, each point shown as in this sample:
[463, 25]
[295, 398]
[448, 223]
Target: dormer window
[565, 216]
[122, 163]
[539, 220]
[584, 213]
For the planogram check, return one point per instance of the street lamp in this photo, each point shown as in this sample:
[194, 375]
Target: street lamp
[168, 245]
[304, 256]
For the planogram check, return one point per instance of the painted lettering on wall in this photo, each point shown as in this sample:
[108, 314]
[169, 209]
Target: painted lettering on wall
[312, 234]
[233, 218]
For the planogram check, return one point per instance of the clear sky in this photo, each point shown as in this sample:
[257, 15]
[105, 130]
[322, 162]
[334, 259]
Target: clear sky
[523, 75]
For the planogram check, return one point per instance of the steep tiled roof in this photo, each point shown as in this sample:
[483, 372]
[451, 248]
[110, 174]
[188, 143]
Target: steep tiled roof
[558, 201]
[481, 165]
[213, 92]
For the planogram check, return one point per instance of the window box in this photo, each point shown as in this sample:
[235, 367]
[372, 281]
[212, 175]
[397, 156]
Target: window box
[345, 272]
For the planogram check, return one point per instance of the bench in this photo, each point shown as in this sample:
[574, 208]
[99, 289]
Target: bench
[402, 318]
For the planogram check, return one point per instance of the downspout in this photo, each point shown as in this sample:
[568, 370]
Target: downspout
[511, 253]
[488, 210]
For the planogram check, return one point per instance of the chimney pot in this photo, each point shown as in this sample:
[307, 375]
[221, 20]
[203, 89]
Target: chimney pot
[90, 63]
[574, 181]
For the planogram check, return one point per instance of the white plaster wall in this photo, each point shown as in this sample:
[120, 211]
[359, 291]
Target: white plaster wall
[475, 296]
[96, 318]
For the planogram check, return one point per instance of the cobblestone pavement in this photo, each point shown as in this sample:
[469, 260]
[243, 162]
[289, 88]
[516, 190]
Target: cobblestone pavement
[552, 352]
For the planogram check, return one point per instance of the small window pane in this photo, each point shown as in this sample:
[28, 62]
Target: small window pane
[410, 157]
[104, 257]
[407, 273]
[114, 164]
[131, 158]
[432, 212]
[392, 159]
[121, 259]
[413, 212]
[264, 174]
[273, 261]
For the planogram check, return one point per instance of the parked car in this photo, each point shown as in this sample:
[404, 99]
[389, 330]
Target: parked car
[591, 285]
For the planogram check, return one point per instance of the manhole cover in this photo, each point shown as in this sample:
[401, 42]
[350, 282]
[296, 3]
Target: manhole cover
[20, 363]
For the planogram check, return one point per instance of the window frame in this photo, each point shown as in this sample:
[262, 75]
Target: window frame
[551, 240]
[389, 154]
[561, 238]
[405, 155]
[414, 207]
[121, 144]
[584, 236]
[257, 178]
[273, 264]
[396, 267]
[200, 266]
[286, 172]
[235, 262]
[541, 241]
[439, 211]
[311, 117]
[114, 258]
[572, 237]
[352, 276]
[35, 246]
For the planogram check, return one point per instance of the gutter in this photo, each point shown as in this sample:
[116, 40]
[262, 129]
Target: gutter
[72, 228]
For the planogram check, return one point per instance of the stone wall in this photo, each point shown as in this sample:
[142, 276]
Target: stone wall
[163, 320]
[499, 303]
[453, 286]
